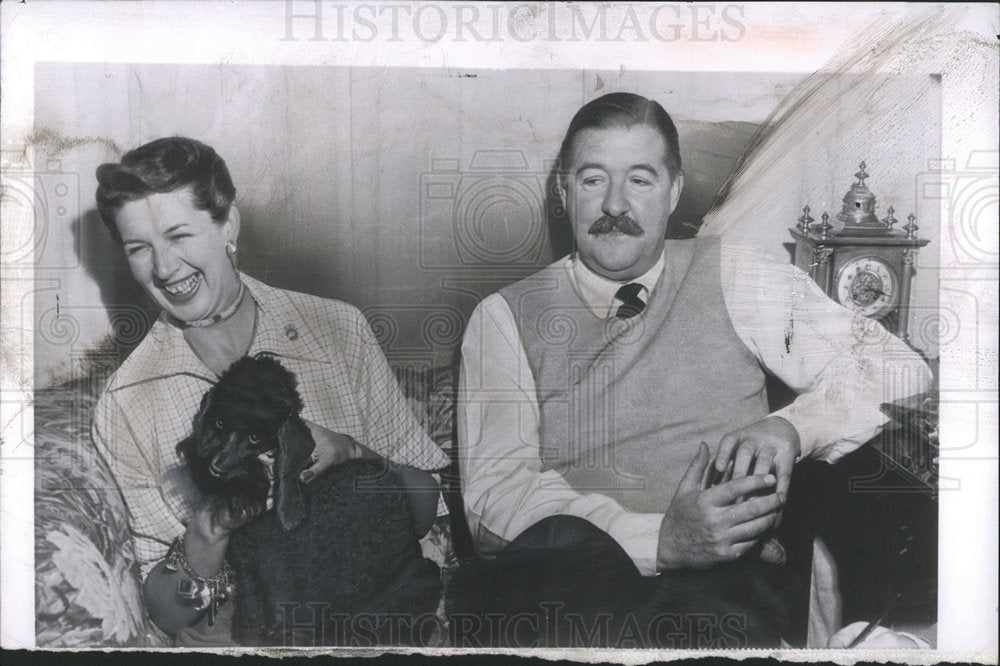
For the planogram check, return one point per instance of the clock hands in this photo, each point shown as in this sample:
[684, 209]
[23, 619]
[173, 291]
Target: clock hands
[866, 289]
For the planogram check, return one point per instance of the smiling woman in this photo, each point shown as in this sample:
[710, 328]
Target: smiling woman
[174, 251]
[170, 205]
[176, 231]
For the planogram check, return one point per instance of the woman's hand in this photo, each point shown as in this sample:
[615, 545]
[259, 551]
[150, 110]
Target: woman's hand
[332, 448]
[205, 543]
[214, 522]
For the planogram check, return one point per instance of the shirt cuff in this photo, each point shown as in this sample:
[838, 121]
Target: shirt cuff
[806, 439]
[639, 535]
[806, 443]
[815, 433]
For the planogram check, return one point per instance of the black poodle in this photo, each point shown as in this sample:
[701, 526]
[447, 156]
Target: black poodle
[336, 562]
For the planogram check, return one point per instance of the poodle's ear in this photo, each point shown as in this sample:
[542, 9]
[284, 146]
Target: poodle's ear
[186, 448]
[295, 446]
[190, 447]
[199, 423]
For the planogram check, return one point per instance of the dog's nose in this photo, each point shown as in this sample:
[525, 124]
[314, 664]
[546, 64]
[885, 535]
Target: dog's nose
[223, 462]
[215, 470]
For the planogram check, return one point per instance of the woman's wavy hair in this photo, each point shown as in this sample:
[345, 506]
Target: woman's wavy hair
[622, 110]
[163, 166]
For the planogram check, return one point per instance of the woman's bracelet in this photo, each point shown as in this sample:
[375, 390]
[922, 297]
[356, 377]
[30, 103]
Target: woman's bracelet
[195, 590]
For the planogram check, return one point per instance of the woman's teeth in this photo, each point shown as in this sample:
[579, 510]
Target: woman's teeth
[182, 288]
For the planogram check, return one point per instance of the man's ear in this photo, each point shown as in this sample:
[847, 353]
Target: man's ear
[232, 223]
[675, 190]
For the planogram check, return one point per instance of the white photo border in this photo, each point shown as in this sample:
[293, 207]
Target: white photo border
[764, 37]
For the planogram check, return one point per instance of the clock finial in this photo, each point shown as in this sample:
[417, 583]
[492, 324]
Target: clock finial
[805, 221]
[889, 220]
[858, 212]
[861, 175]
[911, 226]
[825, 227]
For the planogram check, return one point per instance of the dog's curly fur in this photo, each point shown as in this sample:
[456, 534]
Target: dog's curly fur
[343, 547]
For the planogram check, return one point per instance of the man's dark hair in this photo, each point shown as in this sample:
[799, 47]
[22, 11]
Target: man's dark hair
[163, 166]
[622, 110]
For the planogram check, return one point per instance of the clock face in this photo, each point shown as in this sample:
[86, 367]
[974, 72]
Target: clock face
[868, 286]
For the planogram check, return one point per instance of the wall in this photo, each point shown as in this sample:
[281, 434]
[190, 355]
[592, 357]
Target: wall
[411, 193]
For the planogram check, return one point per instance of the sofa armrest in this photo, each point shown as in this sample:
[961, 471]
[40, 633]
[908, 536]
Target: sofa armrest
[87, 581]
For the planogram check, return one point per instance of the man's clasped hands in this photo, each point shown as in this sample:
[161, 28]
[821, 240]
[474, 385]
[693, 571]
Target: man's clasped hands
[725, 504]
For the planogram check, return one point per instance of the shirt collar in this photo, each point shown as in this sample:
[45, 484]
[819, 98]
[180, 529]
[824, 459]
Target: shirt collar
[280, 331]
[598, 292]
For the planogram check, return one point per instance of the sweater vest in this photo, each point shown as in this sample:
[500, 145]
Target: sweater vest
[623, 404]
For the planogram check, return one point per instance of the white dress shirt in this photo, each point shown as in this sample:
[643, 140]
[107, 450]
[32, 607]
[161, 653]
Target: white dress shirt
[843, 366]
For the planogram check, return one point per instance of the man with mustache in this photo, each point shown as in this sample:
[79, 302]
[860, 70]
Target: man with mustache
[613, 404]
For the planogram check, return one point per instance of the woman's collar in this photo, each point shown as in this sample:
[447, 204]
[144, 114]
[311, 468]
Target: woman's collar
[281, 331]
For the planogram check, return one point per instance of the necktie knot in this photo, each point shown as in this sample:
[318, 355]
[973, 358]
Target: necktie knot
[631, 303]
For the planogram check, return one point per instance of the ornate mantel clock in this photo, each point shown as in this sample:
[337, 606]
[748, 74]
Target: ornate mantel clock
[866, 266]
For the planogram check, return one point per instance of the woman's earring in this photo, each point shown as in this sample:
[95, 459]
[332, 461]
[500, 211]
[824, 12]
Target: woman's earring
[231, 253]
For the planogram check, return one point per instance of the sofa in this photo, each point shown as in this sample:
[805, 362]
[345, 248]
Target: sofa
[88, 587]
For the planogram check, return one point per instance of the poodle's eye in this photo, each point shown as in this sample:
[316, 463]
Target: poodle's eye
[255, 438]
[219, 423]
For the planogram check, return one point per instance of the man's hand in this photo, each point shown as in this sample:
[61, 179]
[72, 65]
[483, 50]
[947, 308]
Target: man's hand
[769, 445]
[706, 526]
[332, 448]
[880, 639]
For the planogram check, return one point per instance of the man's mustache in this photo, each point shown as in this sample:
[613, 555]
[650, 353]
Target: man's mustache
[619, 223]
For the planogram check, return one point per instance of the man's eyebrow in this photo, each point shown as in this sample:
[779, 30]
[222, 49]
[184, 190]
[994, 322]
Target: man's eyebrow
[590, 165]
[645, 167]
[635, 167]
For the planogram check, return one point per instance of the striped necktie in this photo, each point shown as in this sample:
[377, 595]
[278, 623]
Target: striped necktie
[631, 303]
